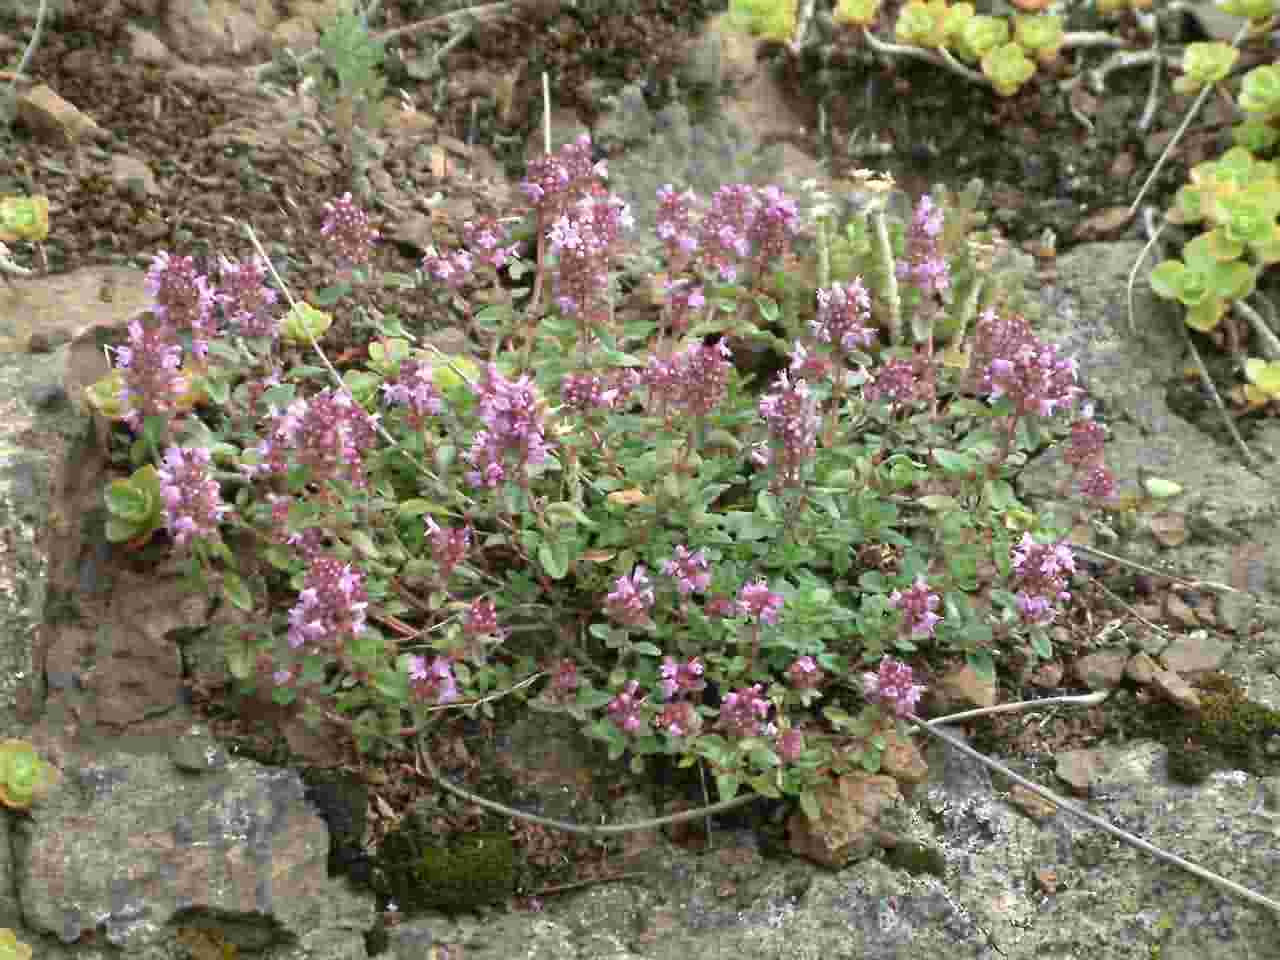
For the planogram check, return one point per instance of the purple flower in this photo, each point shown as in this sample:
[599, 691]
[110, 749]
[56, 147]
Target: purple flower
[327, 434]
[1041, 572]
[152, 379]
[694, 380]
[246, 298]
[791, 413]
[680, 678]
[924, 266]
[183, 299]
[844, 316]
[757, 600]
[512, 416]
[434, 683]
[624, 709]
[413, 387]
[743, 713]
[804, 674]
[917, 605]
[485, 239]
[555, 180]
[689, 570]
[790, 744]
[449, 546]
[1008, 361]
[899, 383]
[331, 606]
[892, 687]
[631, 599]
[193, 504]
[679, 719]
[350, 234]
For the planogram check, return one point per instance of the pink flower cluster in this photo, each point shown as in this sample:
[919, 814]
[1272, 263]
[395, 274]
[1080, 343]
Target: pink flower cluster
[350, 234]
[246, 298]
[844, 316]
[449, 546]
[183, 299]
[625, 708]
[791, 413]
[917, 605]
[694, 380]
[689, 569]
[758, 601]
[1008, 361]
[414, 388]
[326, 434]
[900, 383]
[152, 380]
[924, 267]
[513, 430]
[745, 712]
[805, 674]
[631, 599]
[892, 687]
[555, 180]
[585, 237]
[1041, 572]
[1084, 453]
[434, 682]
[679, 679]
[330, 608]
[193, 505]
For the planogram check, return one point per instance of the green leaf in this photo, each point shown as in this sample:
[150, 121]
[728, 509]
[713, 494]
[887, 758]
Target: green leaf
[1160, 489]
[647, 649]
[364, 544]
[727, 784]
[417, 507]
[328, 296]
[233, 587]
[937, 502]
[952, 462]
[809, 804]
[554, 558]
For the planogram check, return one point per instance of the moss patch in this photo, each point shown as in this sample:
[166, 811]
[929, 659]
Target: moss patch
[466, 871]
[1230, 732]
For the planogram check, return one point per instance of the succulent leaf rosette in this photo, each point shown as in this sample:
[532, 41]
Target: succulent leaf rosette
[11, 948]
[304, 323]
[24, 778]
[24, 218]
[135, 507]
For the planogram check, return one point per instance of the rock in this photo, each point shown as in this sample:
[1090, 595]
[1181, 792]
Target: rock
[903, 761]
[960, 688]
[1173, 688]
[1141, 669]
[1080, 769]
[133, 176]
[1236, 611]
[1195, 653]
[146, 48]
[846, 831]
[1101, 671]
[53, 119]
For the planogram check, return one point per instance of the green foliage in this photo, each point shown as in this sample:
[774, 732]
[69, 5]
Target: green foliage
[304, 323]
[767, 19]
[1228, 732]
[860, 13]
[135, 509]
[1260, 93]
[11, 948]
[1041, 36]
[1204, 64]
[980, 35]
[923, 24]
[467, 871]
[1256, 10]
[350, 65]
[24, 778]
[1008, 68]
